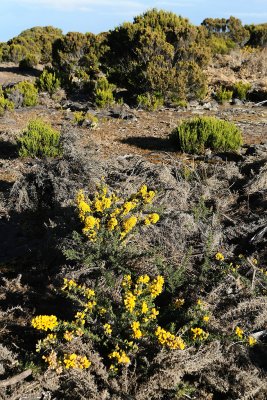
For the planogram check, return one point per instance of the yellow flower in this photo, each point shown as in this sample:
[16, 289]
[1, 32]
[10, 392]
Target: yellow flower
[143, 279]
[251, 341]
[107, 329]
[128, 206]
[129, 224]
[120, 356]
[156, 286]
[89, 223]
[167, 339]
[68, 336]
[239, 332]
[144, 307]
[154, 313]
[199, 334]
[102, 311]
[151, 219]
[206, 318]
[137, 334]
[75, 361]
[129, 301]
[219, 256]
[53, 362]
[112, 223]
[45, 322]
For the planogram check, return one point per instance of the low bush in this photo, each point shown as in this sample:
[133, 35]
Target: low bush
[81, 118]
[39, 140]
[5, 104]
[48, 82]
[103, 94]
[28, 62]
[197, 134]
[241, 89]
[28, 91]
[149, 101]
[223, 95]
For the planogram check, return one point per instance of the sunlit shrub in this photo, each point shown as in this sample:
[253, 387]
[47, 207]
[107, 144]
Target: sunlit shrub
[223, 95]
[197, 134]
[39, 140]
[241, 89]
[48, 82]
[104, 93]
[5, 104]
[149, 101]
[28, 91]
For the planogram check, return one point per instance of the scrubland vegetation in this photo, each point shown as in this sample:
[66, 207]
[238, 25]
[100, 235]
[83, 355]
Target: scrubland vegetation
[125, 277]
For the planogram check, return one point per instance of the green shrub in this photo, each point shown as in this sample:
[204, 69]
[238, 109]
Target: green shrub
[104, 93]
[241, 89]
[149, 101]
[28, 62]
[39, 140]
[80, 117]
[48, 82]
[29, 92]
[197, 134]
[223, 95]
[5, 104]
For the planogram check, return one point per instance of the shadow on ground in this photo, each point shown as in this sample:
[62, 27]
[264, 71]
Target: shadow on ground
[149, 143]
[8, 150]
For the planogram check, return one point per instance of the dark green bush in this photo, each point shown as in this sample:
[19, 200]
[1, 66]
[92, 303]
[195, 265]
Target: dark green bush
[29, 92]
[39, 140]
[28, 62]
[241, 89]
[197, 134]
[223, 95]
[48, 82]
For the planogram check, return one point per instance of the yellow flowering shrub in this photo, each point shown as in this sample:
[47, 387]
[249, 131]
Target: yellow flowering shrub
[107, 214]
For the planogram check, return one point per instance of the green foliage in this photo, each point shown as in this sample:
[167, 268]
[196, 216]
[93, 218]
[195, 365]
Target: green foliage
[5, 104]
[39, 140]
[223, 95]
[230, 28]
[258, 35]
[149, 101]
[241, 89]
[80, 117]
[197, 134]
[36, 42]
[28, 62]
[151, 56]
[48, 82]
[221, 45]
[103, 93]
[29, 92]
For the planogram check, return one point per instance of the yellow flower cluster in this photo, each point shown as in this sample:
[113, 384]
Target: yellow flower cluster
[71, 285]
[45, 322]
[219, 257]
[151, 219]
[178, 303]
[146, 196]
[108, 212]
[156, 286]
[199, 334]
[137, 334]
[75, 361]
[120, 356]
[169, 340]
[251, 341]
[239, 332]
[107, 329]
[129, 301]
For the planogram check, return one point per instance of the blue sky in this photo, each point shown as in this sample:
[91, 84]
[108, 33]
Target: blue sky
[101, 15]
